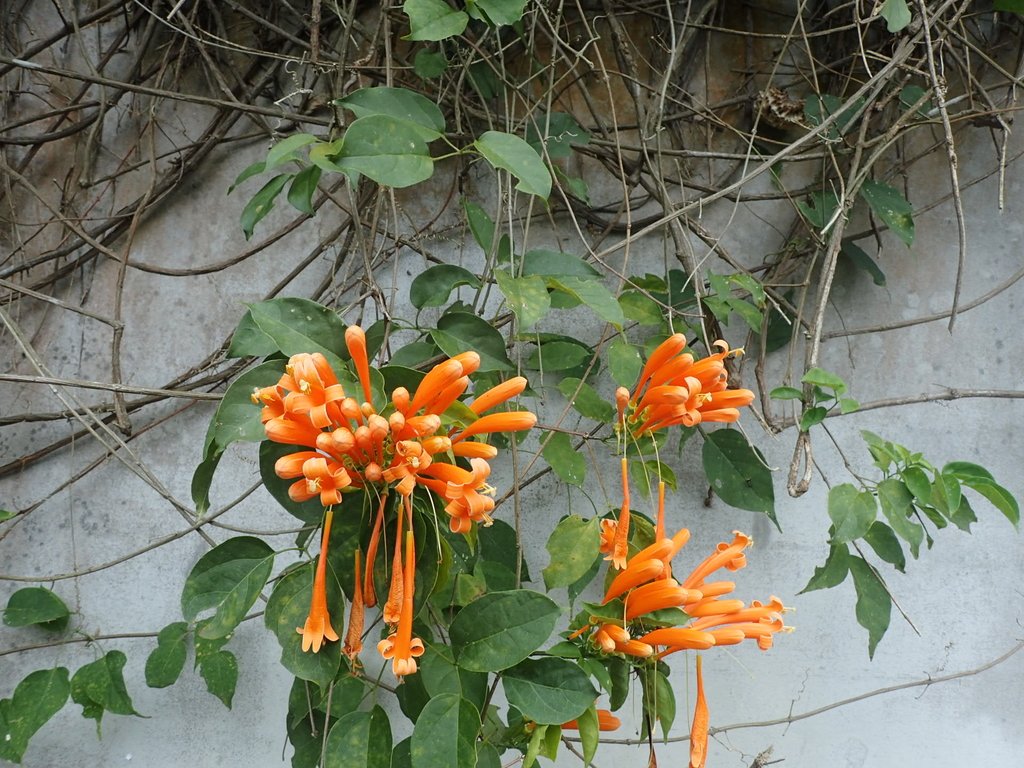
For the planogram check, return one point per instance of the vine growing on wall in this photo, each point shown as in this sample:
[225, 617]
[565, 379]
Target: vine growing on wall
[548, 140]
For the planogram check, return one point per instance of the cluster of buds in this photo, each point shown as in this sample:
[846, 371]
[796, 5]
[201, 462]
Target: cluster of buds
[676, 389]
[673, 388]
[646, 586]
[349, 444]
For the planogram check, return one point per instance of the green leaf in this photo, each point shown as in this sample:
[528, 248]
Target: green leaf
[360, 740]
[458, 332]
[820, 209]
[287, 149]
[480, 224]
[433, 20]
[502, 12]
[236, 419]
[220, 671]
[897, 14]
[595, 295]
[873, 603]
[919, 484]
[898, 506]
[249, 341]
[228, 578]
[286, 611]
[786, 393]
[738, 472]
[964, 515]
[300, 193]
[401, 755]
[833, 572]
[1014, 6]
[558, 356]
[445, 733]
[573, 547]
[549, 690]
[512, 154]
[860, 259]
[946, 494]
[561, 134]
[819, 377]
[586, 401]
[1000, 498]
[819, 108]
[640, 308]
[487, 756]
[36, 605]
[979, 479]
[429, 65]
[389, 151]
[890, 206]
[501, 629]
[589, 734]
[556, 264]
[164, 665]
[886, 545]
[300, 325]
[36, 699]
[527, 296]
[99, 687]
[852, 512]
[848, 405]
[812, 417]
[659, 701]
[262, 203]
[624, 362]
[433, 286]
[253, 170]
[569, 465]
[398, 103]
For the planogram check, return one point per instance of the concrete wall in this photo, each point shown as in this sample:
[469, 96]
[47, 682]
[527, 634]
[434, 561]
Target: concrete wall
[962, 599]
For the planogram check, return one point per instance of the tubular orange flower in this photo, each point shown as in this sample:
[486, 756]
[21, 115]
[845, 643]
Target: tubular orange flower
[292, 430]
[679, 638]
[354, 637]
[436, 380]
[401, 647]
[729, 556]
[699, 729]
[509, 421]
[469, 449]
[313, 388]
[607, 537]
[392, 611]
[664, 352]
[369, 592]
[318, 622]
[638, 572]
[355, 340]
[322, 477]
[606, 721]
[270, 399]
[620, 546]
[497, 395]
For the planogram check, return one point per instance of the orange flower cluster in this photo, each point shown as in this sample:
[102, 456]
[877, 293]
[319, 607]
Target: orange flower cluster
[646, 585]
[673, 388]
[348, 444]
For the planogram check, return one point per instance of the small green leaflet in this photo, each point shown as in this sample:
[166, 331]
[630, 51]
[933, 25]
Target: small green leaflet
[513, 154]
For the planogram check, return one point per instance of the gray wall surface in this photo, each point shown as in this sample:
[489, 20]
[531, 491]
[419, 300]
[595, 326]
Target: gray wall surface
[934, 693]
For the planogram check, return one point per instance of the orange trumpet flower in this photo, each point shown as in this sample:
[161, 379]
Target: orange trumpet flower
[355, 341]
[401, 647]
[699, 729]
[318, 622]
[354, 637]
